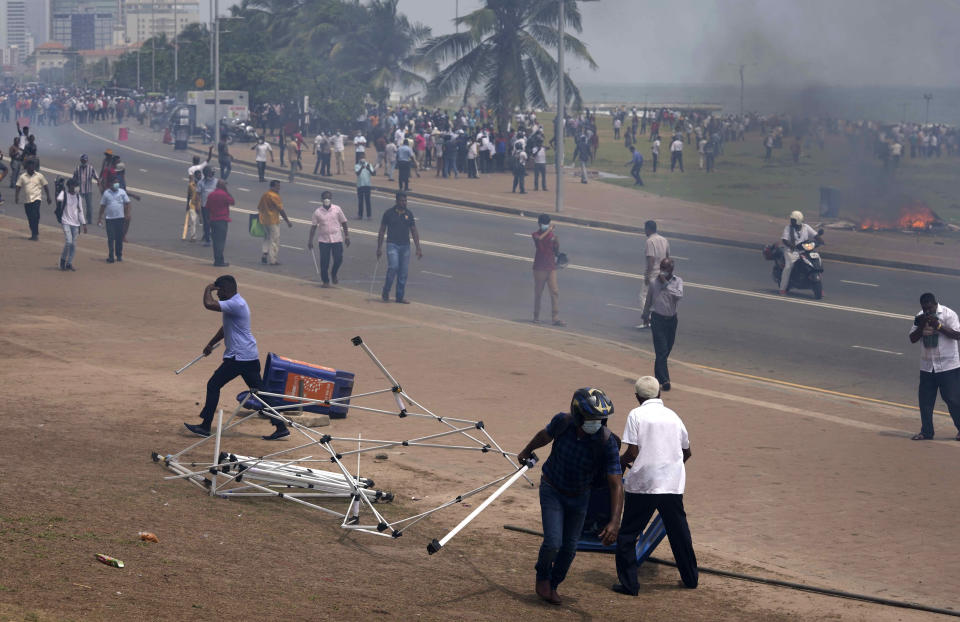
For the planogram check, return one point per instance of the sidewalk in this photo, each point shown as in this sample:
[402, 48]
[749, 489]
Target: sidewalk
[608, 205]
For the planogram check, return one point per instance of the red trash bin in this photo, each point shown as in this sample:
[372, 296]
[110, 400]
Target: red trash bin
[123, 134]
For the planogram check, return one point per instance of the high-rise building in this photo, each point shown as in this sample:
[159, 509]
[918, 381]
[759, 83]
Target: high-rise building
[13, 26]
[84, 24]
[142, 19]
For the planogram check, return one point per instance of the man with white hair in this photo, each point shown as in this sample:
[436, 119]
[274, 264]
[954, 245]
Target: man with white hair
[656, 446]
[794, 234]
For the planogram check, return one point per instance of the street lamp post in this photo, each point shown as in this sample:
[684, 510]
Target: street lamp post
[153, 46]
[176, 49]
[928, 97]
[561, 100]
[216, 74]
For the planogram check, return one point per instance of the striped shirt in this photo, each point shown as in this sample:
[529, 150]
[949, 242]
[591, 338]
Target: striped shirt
[85, 176]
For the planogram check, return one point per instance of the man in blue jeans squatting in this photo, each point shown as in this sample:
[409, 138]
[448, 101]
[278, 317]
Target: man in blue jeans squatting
[582, 447]
[240, 357]
[398, 224]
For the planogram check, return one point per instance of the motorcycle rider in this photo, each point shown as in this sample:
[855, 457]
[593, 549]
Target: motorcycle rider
[794, 234]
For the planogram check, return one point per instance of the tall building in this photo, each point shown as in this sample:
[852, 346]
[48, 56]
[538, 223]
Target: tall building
[84, 24]
[13, 26]
[142, 19]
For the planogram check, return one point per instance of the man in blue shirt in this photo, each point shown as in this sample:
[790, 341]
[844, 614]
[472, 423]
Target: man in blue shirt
[240, 357]
[582, 449]
[113, 208]
[636, 160]
[404, 162]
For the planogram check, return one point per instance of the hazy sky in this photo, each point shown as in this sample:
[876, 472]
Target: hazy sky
[860, 42]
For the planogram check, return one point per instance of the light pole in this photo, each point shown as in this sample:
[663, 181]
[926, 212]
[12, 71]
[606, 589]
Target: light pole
[216, 74]
[741, 67]
[928, 97]
[153, 46]
[561, 100]
[176, 49]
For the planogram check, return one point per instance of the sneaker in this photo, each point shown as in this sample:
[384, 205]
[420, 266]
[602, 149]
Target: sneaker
[119, 258]
[384, 299]
[353, 520]
[665, 386]
[335, 280]
[199, 430]
[277, 434]
[642, 326]
[782, 292]
[403, 301]
[110, 260]
[71, 268]
[325, 285]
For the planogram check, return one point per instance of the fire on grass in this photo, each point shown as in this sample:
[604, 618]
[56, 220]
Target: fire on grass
[913, 217]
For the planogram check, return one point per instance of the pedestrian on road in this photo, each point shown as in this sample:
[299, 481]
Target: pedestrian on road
[262, 148]
[545, 269]
[16, 161]
[193, 208]
[218, 207]
[939, 329]
[363, 171]
[271, 211]
[72, 220]
[539, 153]
[660, 311]
[34, 186]
[405, 161]
[398, 224]
[360, 147]
[330, 226]
[582, 154]
[207, 185]
[655, 150]
[656, 446]
[113, 207]
[657, 248]
[318, 144]
[224, 158]
[519, 168]
[676, 153]
[240, 356]
[583, 448]
[197, 166]
[85, 174]
[636, 163]
[338, 150]
[293, 157]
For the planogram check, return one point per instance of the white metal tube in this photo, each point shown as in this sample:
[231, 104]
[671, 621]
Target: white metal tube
[178, 372]
[216, 450]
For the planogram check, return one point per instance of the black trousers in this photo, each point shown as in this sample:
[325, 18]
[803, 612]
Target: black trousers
[218, 232]
[948, 382]
[403, 177]
[33, 217]
[228, 370]
[115, 237]
[261, 170]
[676, 159]
[637, 510]
[325, 164]
[656, 160]
[518, 180]
[326, 250]
[363, 198]
[664, 331]
[206, 223]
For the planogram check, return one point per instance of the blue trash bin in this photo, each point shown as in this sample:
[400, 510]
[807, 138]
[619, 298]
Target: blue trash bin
[292, 377]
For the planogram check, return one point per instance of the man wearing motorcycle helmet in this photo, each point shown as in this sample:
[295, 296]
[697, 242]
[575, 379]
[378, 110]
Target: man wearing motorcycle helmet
[794, 234]
[582, 448]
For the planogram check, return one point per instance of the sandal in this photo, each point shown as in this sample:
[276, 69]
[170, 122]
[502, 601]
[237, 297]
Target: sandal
[920, 436]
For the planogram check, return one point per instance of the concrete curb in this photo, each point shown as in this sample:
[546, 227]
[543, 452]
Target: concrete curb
[855, 259]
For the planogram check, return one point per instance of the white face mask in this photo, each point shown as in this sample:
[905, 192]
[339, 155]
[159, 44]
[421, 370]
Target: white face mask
[326, 202]
[665, 275]
[591, 426]
[544, 227]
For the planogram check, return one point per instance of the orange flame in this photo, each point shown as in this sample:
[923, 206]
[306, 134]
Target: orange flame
[916, 217]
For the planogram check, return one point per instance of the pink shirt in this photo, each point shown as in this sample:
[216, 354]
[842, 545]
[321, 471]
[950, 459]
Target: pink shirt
[327, 222]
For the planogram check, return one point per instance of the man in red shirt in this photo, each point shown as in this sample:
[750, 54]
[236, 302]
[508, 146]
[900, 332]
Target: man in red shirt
[545, 269]
[218, 208]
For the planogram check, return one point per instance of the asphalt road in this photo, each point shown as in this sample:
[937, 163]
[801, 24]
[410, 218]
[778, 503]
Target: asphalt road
[854, 341]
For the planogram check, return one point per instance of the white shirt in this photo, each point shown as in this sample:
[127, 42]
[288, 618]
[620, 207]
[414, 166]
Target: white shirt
[337, 142]
[805, 234]
[262, 149]
[676, 145]
[656, 146]
[361, 143]
[328, 223]
[196, 167]
[540, 155]
[660, 437]
[72, 209]
[946, 355]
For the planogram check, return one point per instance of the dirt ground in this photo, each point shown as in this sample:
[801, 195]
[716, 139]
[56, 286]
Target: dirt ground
[815, 495]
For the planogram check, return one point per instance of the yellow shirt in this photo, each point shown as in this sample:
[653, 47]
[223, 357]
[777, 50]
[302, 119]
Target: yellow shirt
[269, 208]
[32, 186]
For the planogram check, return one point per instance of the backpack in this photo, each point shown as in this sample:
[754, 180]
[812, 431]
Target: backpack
[59, 185]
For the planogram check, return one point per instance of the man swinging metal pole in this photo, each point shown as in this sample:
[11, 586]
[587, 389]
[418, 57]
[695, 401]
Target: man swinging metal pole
[436, 545]
[215, 346]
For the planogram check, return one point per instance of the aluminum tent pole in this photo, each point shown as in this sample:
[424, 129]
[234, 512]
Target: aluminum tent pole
[436, 545]
[179, 371]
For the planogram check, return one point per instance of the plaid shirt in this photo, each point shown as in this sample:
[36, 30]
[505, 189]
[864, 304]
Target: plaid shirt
[572, 467]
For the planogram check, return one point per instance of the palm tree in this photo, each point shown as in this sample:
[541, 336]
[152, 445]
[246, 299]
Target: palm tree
[504, 52]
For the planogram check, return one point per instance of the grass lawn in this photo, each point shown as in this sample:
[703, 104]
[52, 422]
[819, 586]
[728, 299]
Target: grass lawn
[744, 180]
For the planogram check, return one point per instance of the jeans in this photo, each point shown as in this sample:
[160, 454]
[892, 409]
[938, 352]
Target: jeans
[218, 232]
[225, 167]
[635, 171]
[539, 176]
[115, 237]
[33, 217]
[363, 197]
[261, 170]
[676, 159]
[518, 178]
[664, 331]
[326, 250]
[325, 165]
[398, 261]
[637, 510]
[562, 518]
[70, 235]
[948, 382]
[228, 370]
[316, 166]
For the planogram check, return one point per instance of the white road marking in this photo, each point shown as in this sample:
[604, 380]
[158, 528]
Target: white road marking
[877, 350]
[443, 276]
[295, 248]
[610, 304]
[244, 189]
[523, 235]
[143, 170]
[679, 257]
[859, 283]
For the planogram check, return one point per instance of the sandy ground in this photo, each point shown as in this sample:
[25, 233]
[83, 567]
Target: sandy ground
[783, 483]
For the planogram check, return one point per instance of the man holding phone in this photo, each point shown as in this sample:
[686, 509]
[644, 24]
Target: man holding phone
[939, 329]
